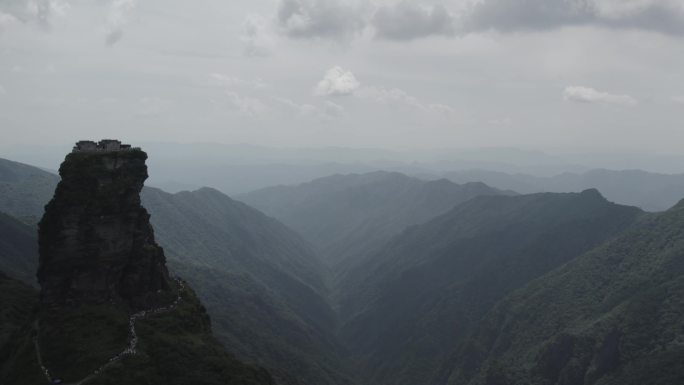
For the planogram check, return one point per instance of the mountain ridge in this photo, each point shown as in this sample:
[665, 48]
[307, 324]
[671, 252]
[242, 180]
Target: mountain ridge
[401, 304]
[611, 316]
[346, 216]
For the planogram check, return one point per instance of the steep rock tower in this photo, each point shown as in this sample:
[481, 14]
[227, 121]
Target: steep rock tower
[96, 242]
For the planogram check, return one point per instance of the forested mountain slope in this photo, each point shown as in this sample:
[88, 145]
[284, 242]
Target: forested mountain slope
[612, 316]
[24, 190]
[108, 311]
[407, 306]
[263, 285]
[18, 249]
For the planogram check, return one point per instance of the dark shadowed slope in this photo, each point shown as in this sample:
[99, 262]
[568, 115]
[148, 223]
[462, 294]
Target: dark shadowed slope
[17, 304]
[21, 187]
[650, 191]
[347, 216]
[265, 288]
[409, 305]
[108, 312]
[261, 283]
[18, 249]
[613, 316]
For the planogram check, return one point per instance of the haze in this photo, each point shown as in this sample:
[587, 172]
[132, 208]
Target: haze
[553, 75]
[342, 192]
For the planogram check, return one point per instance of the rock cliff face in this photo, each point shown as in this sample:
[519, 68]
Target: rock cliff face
[95, 239]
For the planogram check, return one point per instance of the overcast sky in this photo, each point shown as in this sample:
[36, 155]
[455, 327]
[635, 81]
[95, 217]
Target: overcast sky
[380, 73]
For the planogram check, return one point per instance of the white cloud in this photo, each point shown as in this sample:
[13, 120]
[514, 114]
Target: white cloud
[408, 20]
[245, 104]
[119, 16]
[590, 95]
[390, 96]
[678, 99]
[328, 111]
[332, 109]
[337, 82]
[38, 12]
[3, 91]
[6, 20]
[337, 19]
[442, 109]
[257, 38]
[398, 97]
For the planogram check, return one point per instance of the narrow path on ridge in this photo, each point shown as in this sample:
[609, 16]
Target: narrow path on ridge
[130, 350]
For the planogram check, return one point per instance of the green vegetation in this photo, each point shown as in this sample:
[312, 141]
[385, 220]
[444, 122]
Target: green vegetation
[175, 347]
[19, 303]
[410, 304]
[18, 249]
[24, 190]
[264, 287]
[255, 324]
[612, 317]
[545, 289]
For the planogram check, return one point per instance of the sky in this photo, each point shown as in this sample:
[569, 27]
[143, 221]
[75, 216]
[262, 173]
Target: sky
[599, 74]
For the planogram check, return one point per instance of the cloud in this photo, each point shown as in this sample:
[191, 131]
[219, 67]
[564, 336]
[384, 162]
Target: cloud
[246, 105]
[332, 109]
[337, 82]
[336, 19]
[119, 16]
[678, 99]
[257, 38]
[3, 91]
[340, 82]
[6, 20]
[590, 95]
[666, 16]
[39, 12]
[398, 97]
[328, 111]
[408, 20]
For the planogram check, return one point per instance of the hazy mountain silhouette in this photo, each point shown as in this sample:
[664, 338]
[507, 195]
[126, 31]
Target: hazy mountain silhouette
[437, 283]
[21, 187]
[650, 191]
[349, 216]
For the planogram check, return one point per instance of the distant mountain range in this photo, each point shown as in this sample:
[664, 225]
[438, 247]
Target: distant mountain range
[388, 279]
[349, 216]
[650, 191]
